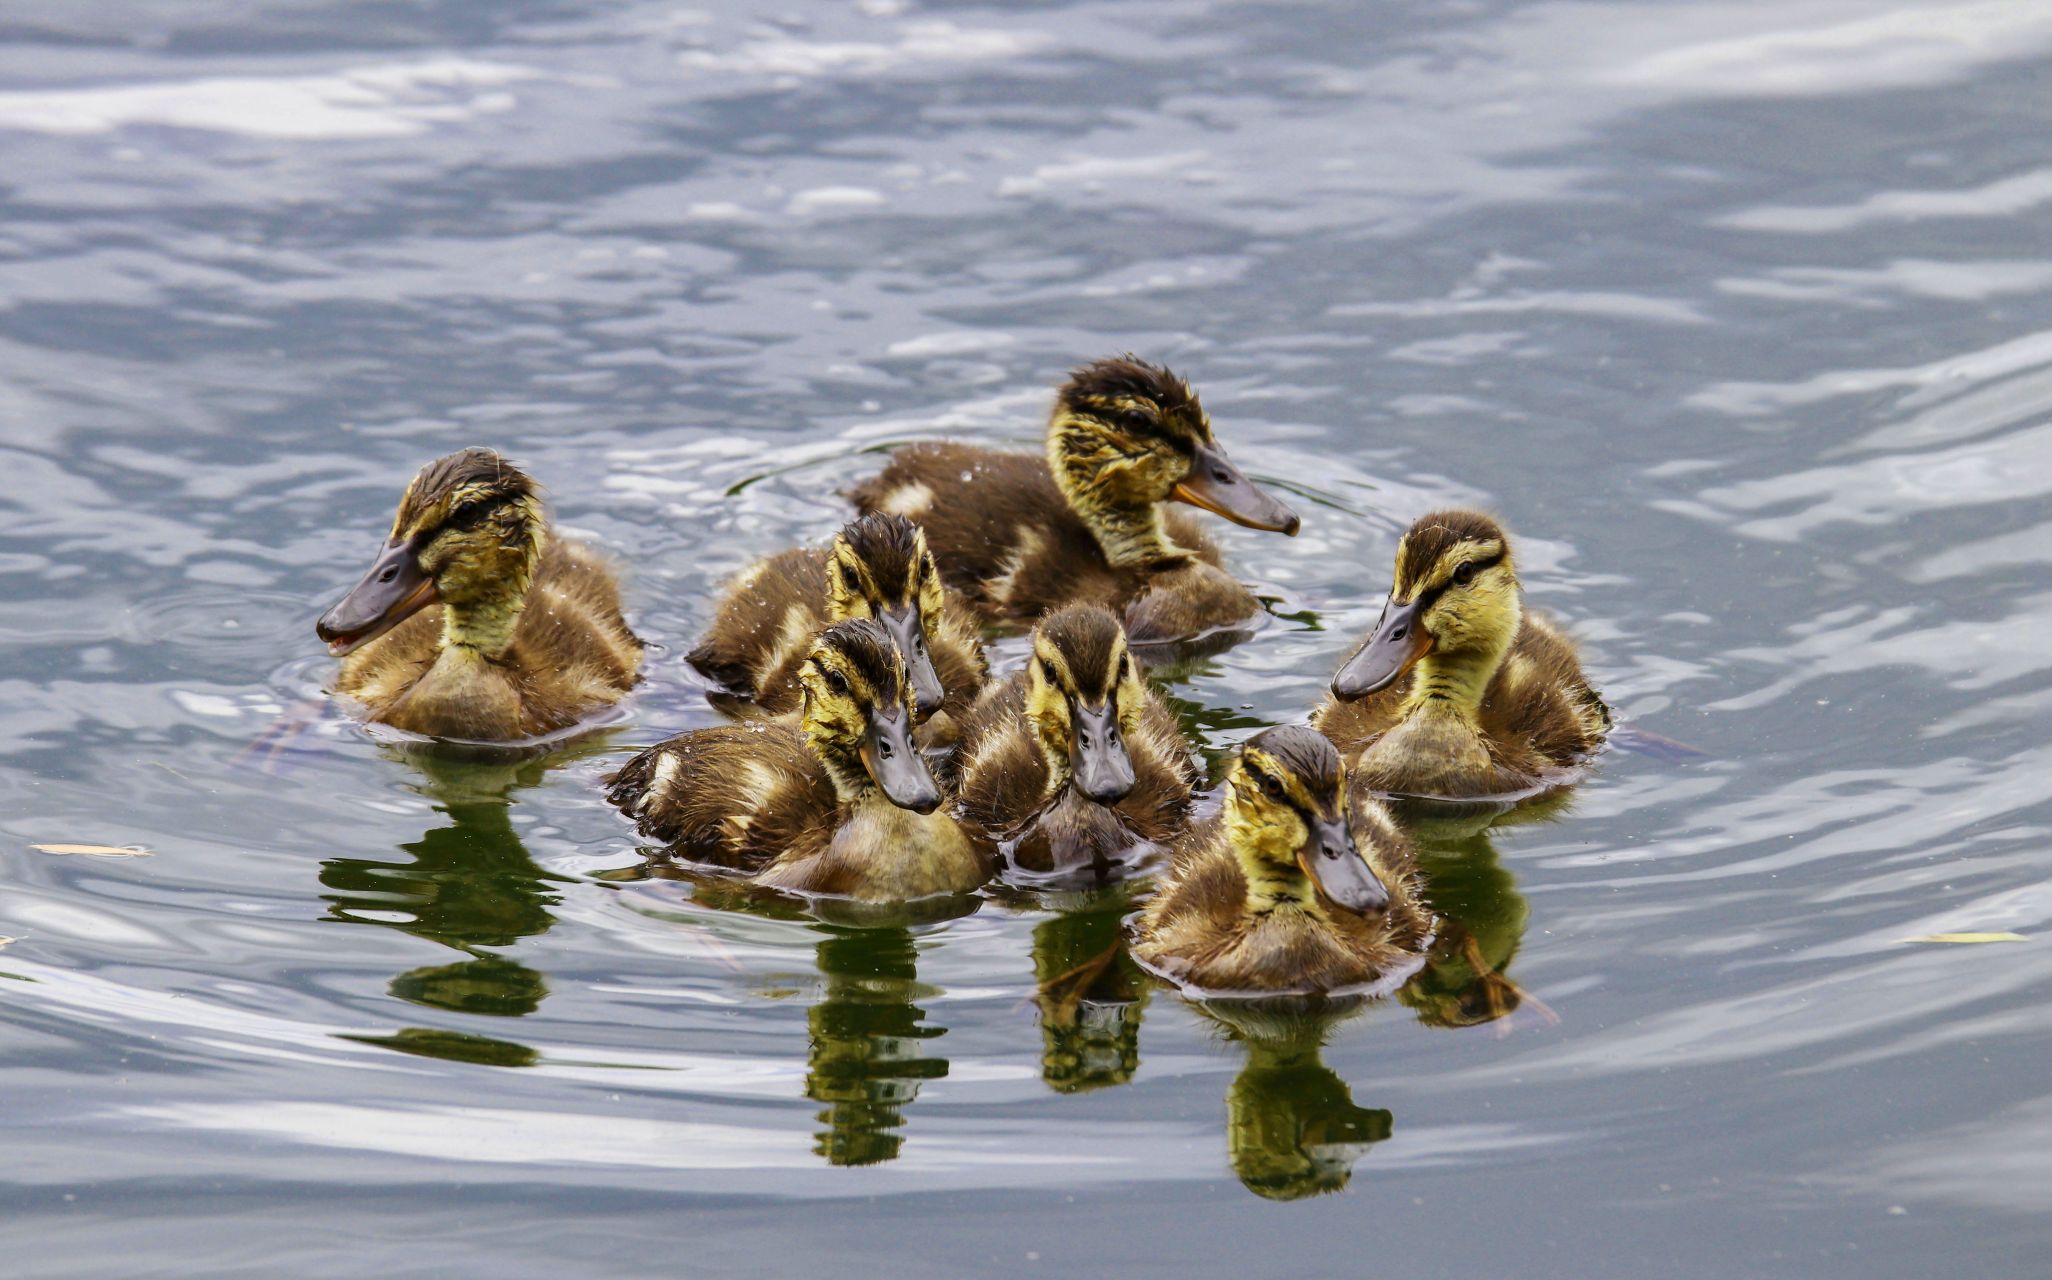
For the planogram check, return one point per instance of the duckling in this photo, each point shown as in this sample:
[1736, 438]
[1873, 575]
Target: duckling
[1459, 693]
[1290, 889]
[838, 803]
[878, 567]
[1020, 535]
[1074, 762]
[475, 621]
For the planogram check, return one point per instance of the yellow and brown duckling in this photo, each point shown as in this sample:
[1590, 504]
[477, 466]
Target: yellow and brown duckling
[1292, 889]
[878, 567]
[840, 802]
[1087, 524]
[1074, 762]
[475, 621]
[1459, 693]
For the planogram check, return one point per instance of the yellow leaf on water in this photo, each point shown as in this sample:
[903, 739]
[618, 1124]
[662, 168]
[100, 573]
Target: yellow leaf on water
[4, 939]
[1969, 937]
[95, 850]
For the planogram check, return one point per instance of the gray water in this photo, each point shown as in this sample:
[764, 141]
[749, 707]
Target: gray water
[1737, 314]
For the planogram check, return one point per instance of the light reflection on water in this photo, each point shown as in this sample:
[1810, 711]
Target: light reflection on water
[1734, 315]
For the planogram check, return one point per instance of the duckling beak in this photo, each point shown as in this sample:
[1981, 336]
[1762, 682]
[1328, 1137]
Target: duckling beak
[906, 631]
[1216, 485]
[895, 765]
[1330, 857]
[394, 590]
[1097, 752]
[1397, 641]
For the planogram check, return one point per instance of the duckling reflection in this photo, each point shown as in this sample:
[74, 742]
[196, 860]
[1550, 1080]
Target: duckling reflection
[1091, 996]
[1481, 923]
[469, 885]
[1292, 1129]
[865, 1064]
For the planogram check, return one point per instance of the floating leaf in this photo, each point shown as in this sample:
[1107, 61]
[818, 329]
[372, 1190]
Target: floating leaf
[95, 850]
[1969, 937]
[4, 940]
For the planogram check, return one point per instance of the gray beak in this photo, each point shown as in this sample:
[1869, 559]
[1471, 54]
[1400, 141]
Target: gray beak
[1216, 485]
[895, 765]
[1097, 752]
[906, 631]
[1397, 641]
[1335, 865]
[392, 591]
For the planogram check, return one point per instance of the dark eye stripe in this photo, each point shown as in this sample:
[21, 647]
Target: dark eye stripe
[1432, 594]
[471, 514]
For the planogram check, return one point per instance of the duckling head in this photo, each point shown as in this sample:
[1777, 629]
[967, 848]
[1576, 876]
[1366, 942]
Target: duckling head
[468, 535]
[879, 568]
[858, 717]
[1454, 607]
[1085, 695]
[1286, 818]
[1127, 436]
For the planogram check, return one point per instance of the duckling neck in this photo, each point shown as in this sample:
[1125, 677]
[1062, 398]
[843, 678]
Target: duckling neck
[1129, 529]
[1274, 880]
[852, 786]
[482, 619]
[1052, 742]
[1453, 683]
[1274, 886]
[1131, 537]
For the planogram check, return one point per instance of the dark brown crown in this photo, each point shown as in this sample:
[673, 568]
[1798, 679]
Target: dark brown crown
[474, 468]
[867, 652]
[888, 545]
[1089, 639]
[1440, 532]
[1306, 753]
[1103, 386]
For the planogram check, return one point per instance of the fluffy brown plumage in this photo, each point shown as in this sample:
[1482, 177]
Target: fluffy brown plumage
[1021, 740]
[877, 567]
[1292, 888]
[1459, 693]
[1018, 535]
[476, 622]
[837, 803]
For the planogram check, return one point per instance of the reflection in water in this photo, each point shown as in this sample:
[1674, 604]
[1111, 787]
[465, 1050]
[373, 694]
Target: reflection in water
[1292, 1129]
[1091, 996]
[469, 885]
[864, 1061]
[1481, 922]
[454, 1046]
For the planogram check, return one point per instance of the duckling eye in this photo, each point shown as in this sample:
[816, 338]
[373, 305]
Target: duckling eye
[1137, 420]
[836, 681]
[1465, 574]
[469, 515]
[1125, 667]
[1269, 785]
[1048, 669]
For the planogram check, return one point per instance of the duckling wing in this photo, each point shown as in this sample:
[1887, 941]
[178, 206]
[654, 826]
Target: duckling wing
[999, 529]
[1165, 776]
[761, 629]
[735, 795]
[573, 651]
[1003, 775]
[1541, 700]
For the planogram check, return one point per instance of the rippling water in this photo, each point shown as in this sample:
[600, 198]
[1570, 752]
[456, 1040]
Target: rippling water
[1737, 314]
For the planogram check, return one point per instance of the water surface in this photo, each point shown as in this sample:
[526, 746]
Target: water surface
[1737, 315]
